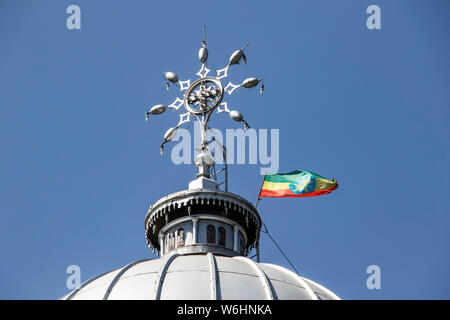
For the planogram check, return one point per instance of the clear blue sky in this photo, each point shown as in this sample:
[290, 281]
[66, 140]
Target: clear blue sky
[79, 166]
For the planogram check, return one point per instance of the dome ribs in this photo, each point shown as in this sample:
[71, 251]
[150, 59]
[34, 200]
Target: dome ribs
[117, 277]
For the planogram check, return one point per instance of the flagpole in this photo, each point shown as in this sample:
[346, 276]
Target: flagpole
[259, 192]
[256, 206]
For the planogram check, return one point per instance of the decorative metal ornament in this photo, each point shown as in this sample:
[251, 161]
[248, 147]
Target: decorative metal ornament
[203, 53]
[184, 85]
[222, 73]
[236, 115]
[170, 134]
[231, 87]
[158, 109]
[203, 71]
[238, 55]
[185, 117]
[204, 95]
[223, 107]
[172, 77]
[250, 82]
[176, 104]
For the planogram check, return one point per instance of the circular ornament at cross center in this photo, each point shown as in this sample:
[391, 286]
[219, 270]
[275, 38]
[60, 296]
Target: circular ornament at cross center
[203, 96]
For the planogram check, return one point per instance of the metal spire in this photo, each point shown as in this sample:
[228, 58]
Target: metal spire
[201, 98]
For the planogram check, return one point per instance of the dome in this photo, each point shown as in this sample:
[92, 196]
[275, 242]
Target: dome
[203, 238]
[204, 234]
[200, 277]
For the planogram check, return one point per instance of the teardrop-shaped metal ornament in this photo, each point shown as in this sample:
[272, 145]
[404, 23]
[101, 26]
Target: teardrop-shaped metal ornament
[236, 115]
[158, 109]
[170, 134]
[236, 56]
[172, 77]
[203, 54]
[250, 82]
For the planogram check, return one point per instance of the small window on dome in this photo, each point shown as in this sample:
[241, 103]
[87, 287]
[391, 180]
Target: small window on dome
[171, 237]
[180, 235]
[222, 236]
[211, 234]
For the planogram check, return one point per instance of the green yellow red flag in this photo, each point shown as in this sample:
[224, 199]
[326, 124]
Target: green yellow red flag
[299, 183]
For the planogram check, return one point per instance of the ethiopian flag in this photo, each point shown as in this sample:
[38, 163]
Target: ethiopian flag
[296, 184]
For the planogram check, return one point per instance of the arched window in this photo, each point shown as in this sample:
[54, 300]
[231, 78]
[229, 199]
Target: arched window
[222, 237]
[180, 235]
[210, 234]
[171, 240]
[242, 246]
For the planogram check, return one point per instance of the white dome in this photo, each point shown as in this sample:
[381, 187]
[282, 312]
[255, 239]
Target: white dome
[200, 277]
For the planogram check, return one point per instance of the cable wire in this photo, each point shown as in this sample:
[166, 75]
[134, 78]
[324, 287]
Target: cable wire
[279, 248]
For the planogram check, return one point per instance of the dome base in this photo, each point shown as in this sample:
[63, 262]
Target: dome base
[200, 277]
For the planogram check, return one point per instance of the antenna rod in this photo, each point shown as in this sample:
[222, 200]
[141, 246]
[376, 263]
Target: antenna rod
[204, 33]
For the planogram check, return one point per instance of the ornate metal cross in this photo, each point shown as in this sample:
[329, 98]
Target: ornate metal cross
[204, 95]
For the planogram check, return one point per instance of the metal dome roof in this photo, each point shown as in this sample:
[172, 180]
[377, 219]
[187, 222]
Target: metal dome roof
[200, 277]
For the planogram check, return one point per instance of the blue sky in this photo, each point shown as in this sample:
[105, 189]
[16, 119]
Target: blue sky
[79, 166]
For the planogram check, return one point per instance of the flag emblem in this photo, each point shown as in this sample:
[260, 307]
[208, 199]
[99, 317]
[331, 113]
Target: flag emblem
[305, 184]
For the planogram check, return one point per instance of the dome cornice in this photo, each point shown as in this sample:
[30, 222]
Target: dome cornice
[197, 201]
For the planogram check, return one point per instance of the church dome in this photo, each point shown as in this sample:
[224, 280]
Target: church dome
[203, 238]
[203, 235]
[200, 277]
